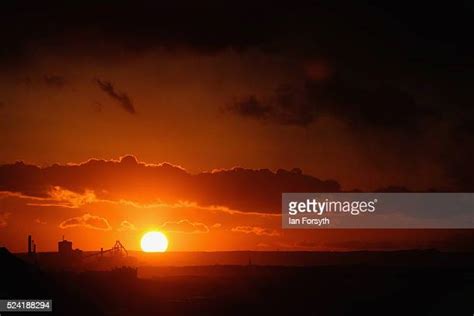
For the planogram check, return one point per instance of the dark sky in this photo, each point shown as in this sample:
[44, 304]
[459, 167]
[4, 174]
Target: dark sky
[393, 79]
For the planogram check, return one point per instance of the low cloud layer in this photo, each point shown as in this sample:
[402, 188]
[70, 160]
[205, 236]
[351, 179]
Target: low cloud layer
[238, 189]
[88, 221]
[185, 226]
[259, 231]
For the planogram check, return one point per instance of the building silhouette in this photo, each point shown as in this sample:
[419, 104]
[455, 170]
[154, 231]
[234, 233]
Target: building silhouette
[65, 247]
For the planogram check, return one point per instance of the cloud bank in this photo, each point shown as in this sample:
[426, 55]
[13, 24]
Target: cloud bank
[238, 189]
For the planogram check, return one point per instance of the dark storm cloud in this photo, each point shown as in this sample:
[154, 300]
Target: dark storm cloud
[288, 105]
[237, 189]
[378, 50]
[393, 65]
[352, 34]
[375, 106]
[122, 98]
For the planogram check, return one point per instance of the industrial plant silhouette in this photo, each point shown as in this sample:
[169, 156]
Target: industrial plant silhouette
[69, 258]
[113, 282]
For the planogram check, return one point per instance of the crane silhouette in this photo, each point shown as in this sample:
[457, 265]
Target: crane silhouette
[118, 250]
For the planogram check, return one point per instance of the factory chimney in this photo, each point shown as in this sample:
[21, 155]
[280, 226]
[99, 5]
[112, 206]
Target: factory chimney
[29, 245]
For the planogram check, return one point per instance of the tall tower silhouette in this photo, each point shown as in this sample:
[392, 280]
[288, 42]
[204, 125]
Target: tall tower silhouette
[29, 245]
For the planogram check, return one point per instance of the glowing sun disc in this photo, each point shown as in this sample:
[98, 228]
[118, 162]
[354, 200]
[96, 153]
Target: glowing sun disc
[154, 242]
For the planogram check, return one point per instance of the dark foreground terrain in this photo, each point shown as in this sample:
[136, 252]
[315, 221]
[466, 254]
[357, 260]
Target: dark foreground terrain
[355, 289]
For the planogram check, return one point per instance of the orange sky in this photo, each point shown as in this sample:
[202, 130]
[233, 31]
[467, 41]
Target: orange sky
[99, 202]
[308, 90]
[180, 101]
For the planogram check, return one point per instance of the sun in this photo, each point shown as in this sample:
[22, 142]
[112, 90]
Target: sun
[154, 242]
